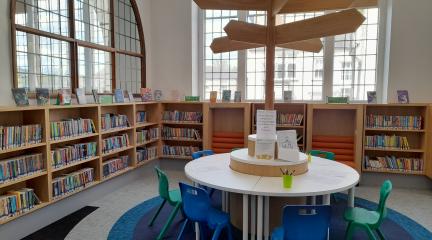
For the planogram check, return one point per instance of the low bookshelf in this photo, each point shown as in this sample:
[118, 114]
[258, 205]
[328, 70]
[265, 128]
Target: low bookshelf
[290, 116]
[181, 129]
[336, 128]
[147, 131]
[395, 138]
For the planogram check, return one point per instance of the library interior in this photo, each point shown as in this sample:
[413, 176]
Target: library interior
[215, 119]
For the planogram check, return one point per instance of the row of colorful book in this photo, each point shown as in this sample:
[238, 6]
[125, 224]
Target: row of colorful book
[115, 142]
[73, 153]
[384, 141]
[20, 166]
[19, 136]
[109, 121]
[72, 181]
[71, 128]
[146, 153]
[294, 119]
[146, 135]
[177, 116]
[141, 117]
[180, 133]
[397, 122]
[395, 163]
[168, 150]
[114, 165]
[17, 202]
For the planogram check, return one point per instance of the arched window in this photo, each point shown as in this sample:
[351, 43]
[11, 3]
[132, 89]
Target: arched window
[90, 44]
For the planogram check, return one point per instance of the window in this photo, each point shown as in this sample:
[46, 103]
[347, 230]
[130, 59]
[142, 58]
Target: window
[353, 56]
[79, 43]
[220, 69]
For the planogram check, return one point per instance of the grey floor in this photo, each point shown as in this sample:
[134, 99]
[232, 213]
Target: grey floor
[413, 203]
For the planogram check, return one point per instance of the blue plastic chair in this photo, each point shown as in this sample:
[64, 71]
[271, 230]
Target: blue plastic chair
[197, 209]
[304, 222]
[200, 154]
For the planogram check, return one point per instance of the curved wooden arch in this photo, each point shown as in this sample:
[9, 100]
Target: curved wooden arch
[74, 43]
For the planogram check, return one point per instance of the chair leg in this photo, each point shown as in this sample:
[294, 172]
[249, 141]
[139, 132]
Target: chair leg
[348, 231]
[380, 234]
[168, 223]
[230, 234]
[182, 229]
[370, 233]
[217, 232]
[157, 213]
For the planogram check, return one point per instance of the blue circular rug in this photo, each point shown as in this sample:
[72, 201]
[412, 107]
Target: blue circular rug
[133, 224]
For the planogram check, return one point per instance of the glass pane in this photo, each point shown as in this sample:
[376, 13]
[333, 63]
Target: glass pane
[92, 21]
[126, 35]
[42, 62]
[355, 59]
[94, 70]
[45, 15]
[128, 73]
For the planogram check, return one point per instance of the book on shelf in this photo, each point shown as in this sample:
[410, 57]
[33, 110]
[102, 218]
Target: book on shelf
[71, 128]
[146, 135]
[20, 136]
[141, 117]
[72, 181]
[177, 116]
[294, 119]
[20, 166]
[394, 122]
[115, 142]
[226, 95]
[179, 150]
[70, 154]
[42, 96]
[180, 133]
[130, 96]
[95, 95]
[146, 153]
[110, 121]
[384, 141]
[119, 95]
[16, 202]
[146, 94]
[393, 163]
[114, 165]
[64, 97]
[20, 96]
[81, 97]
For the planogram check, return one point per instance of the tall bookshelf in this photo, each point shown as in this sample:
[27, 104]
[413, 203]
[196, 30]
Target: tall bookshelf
[342, 125]
[179, 124]
[153, 120]
[229, 119]
[416, 136]
[286, 108]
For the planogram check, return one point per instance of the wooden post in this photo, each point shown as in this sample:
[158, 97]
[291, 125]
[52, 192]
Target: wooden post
[270, 56]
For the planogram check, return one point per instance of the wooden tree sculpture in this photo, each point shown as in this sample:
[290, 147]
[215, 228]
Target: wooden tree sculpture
[301, 35]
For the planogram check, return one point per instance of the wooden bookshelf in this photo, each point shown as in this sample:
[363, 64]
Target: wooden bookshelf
[199, 126]
[286, 108]
[226, 117]
[417, 138]
[428, 127]
[338, 120]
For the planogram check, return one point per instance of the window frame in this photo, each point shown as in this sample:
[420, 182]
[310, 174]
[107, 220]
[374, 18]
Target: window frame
[328, 60]
[74, 43]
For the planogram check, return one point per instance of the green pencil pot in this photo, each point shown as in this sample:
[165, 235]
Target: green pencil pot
[287, 181]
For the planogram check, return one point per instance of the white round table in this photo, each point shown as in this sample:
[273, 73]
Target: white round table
[323, 178]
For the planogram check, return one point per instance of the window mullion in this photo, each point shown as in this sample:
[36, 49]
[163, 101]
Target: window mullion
[328, 67]
[242, 62]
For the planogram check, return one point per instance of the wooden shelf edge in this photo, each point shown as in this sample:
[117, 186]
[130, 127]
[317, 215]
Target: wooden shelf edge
[73, 138]
[394, 150]
[146, 124]
[177, 157]
[22, 179]
[394, 130]
[22, 148]
[146, 143]
[392, 171]
[182, 139]
[114, 130]
[117, 151]
[74, 164]
[182, 123]
[74, 192]
[145, 162]
[116, 174]
[35, 208]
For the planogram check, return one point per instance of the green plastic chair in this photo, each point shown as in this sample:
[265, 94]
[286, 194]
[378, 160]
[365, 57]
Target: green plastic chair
[173, 198]
[369, 220]
[322, 154]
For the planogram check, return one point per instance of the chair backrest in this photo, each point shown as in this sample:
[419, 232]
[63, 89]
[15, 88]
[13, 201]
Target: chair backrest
[306, 222]
[322, 154]
[196, 202]
[385, 191]
[202, 153]
[163, 184]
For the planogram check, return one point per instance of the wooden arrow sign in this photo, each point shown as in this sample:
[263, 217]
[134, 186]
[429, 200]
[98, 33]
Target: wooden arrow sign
[246, 32]
[312, 45]
[224, 44]
[299, 6]
[258, 5]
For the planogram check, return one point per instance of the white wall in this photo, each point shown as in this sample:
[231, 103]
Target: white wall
[410, 65]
